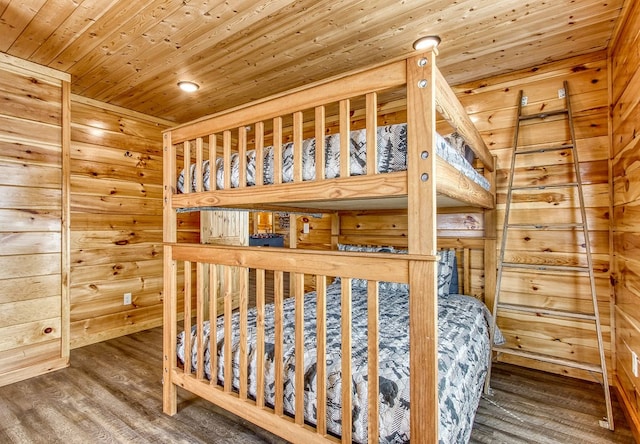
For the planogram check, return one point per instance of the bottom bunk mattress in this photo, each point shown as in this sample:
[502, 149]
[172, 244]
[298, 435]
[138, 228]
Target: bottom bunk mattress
[463, 358]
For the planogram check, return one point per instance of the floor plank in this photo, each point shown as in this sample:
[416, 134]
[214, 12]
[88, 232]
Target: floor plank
[112, 393]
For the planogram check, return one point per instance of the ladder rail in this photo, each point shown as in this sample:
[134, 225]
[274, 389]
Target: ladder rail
[587, 244]
[503, 242]
[602, 368]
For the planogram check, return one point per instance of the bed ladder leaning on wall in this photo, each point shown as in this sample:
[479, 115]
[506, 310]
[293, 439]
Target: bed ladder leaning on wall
[579, 227]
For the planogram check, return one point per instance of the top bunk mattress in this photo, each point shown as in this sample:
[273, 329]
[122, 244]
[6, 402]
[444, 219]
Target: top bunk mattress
[392, 156]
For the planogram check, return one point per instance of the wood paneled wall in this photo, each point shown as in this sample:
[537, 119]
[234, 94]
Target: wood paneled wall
[34, 144]
[493, 107]
[116, 221]
[625, 125]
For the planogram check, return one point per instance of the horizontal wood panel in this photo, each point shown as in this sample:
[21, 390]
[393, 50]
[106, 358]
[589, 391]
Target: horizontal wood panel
[24, 175]
[110, 326]
[30, 287]
[107, 187]
[92, 114]
[28, 131]
[562, 241]
[119, 172]
[30, 152]
[19, 358]
[116, 156]
[29, 265]
[596, 195]
[36, 332]
[94, 135]
[18, 220]
[113, 204]
[30, 198]
[110, 272]
[30, 243]
[103, 239]
[127, 253]
[30, 310]
[119, 222]
[597, 218]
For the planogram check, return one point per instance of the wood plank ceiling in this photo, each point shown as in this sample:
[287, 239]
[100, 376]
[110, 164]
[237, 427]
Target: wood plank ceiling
[132, 53]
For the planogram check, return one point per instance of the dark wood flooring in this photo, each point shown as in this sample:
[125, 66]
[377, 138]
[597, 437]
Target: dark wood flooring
[112, 393]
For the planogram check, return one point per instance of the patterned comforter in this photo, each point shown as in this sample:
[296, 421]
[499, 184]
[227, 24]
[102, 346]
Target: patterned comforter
[392, 156]
[463, 357]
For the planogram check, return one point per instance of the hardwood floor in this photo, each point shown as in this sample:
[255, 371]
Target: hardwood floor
[112, 393]
[529, 406]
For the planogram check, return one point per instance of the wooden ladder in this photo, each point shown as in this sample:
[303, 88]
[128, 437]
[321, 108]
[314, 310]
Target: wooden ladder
[600, 368]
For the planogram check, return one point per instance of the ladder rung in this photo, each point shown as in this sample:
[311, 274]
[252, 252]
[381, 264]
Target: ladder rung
[550, 359]
[541, 267]
[544, 114]
[544, 150]
[543, 187]
[545, 226]
[547, 311]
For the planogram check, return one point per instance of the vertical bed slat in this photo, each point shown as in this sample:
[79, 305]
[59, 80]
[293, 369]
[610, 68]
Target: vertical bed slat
[199, 160]
[259, 177]
[228, 336]
[243, 303]
[372, 133]
[321, 358]
[345, 331]
[187, 167]
[345, 140]
[242, 157]
[319, 133]
[200, 317]
[299, 347]
[213, 154]
[278, 290]
[260, 296]
[226, 149]
[213, 316]
[297, 146]
[187, 317]
[466, 271]
[277, 150]
[373, 360]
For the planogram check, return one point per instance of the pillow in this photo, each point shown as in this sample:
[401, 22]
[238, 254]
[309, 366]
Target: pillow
[458, 143]
[446, 264]
[454, 288]
[362, 283]
[447, 267]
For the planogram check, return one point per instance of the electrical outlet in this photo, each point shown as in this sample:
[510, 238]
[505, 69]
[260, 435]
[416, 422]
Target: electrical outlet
[127, 299]
[525, 100]
[305, 228]
[634, 363]
[561, 93]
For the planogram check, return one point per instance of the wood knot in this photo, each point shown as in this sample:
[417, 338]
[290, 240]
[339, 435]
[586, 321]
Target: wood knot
[48, 330]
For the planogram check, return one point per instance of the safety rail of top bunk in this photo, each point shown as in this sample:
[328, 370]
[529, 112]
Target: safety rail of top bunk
[184, 140]
[195, 260]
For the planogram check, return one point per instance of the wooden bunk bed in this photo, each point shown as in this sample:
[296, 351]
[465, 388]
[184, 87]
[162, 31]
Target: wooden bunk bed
[412, 90]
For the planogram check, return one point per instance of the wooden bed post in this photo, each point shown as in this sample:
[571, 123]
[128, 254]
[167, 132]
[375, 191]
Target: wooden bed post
[169, 391]
[423, 310]
[490, 243]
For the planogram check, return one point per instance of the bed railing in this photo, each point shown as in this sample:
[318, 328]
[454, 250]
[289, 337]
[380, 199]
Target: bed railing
[201, 292]
[330, 107]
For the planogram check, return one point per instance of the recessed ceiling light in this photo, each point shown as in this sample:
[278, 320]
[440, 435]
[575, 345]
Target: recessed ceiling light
[188, 86]
[427, 42]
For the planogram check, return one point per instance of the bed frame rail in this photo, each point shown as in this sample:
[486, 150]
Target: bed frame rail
[201, 291]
